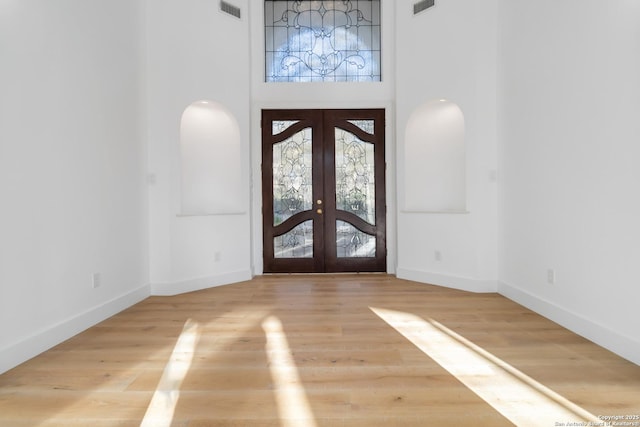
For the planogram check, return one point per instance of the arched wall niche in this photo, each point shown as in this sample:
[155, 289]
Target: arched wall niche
[435, 159]
[210, 159]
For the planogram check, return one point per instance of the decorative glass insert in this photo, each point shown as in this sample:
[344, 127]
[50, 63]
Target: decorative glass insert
[292, 167]
[353, 243]
[322, 41]
[297, 243]
[365, 125]
[282, 125]
[355, 176]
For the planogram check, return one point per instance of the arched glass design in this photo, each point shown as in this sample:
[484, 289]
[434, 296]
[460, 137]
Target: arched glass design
[292, 176]
[353, 243]
[297, 243]
[320, 41]
[210, 160]
[435, 159]
[355, 175]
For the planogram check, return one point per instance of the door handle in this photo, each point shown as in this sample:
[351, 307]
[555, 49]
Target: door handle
[319, 211]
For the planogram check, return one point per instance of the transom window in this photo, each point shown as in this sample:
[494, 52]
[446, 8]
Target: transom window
[322, 41]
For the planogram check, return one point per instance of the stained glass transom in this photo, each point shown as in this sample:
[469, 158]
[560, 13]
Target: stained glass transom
[353, 243]
[355, 176]
[297, 243]
[292, 174]
[322, 41]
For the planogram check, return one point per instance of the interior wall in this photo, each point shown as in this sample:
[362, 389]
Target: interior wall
[569, 127]
[72, 162]
[195, 52]
[449, 52]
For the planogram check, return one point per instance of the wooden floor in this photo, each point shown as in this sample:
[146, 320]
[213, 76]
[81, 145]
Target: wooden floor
[319, 351]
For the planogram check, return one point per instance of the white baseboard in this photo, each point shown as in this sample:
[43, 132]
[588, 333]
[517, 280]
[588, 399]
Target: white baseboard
[622, 345]
[454, 282]
[27, 348]
[191, 285]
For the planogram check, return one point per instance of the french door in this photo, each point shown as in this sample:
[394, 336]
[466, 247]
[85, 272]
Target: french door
[323, 190]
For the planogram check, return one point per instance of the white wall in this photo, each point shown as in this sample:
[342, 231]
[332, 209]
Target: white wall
[72, 161]
[449, 52]
[570, 131]
[194, 52]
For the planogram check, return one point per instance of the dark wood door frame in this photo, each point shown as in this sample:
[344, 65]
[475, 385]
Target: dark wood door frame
[306, 119]
[323, 124]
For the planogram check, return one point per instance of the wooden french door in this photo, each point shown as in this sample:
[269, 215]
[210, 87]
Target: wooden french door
[323, 190]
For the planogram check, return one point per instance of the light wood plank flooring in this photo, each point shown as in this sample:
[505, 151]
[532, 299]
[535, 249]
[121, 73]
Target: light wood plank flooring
[313, 351]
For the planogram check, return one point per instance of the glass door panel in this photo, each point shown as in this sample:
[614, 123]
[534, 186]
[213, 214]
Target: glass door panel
[365, 125]
[282, 125]
[353, 243]
[292, 176]
[297, 243]
[355, 176]
[355, 183]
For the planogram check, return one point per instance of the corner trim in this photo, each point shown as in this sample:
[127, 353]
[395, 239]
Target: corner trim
[620, 344]
[447, 281]
[197, 284]
[41, 341]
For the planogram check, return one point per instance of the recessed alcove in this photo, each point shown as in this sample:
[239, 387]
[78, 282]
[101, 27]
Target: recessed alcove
[210, 160]
[435, 159]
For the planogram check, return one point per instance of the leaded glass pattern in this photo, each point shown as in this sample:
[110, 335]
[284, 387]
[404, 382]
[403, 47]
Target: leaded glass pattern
[279, 126]
[353, 243]
[297, 243]
[355, 176]
[322, 41]
[292, 175]
[365, 125]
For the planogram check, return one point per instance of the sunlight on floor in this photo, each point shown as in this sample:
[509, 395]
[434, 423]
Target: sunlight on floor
[516, 396]
[293, 405]
[164, 401]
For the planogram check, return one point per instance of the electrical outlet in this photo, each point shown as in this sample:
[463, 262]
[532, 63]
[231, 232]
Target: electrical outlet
[96, 280]
[551, 276]
[437, 255]
[217, 256]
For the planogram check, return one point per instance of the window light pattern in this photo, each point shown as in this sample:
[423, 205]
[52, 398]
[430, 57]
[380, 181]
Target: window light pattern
[322, 41]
